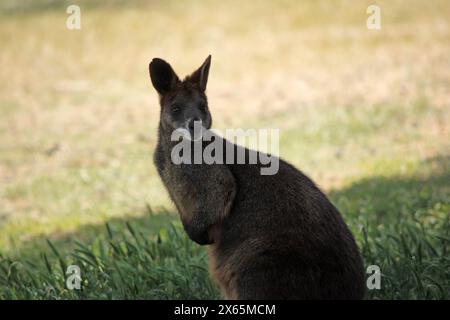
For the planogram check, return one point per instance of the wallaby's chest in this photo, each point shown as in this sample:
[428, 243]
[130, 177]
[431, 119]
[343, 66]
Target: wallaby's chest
[170, 173]
[176, 180]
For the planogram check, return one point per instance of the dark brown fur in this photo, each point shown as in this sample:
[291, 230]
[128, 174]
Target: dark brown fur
[269, 236]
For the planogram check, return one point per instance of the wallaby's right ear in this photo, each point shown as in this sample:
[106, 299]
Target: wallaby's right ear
[162, 75]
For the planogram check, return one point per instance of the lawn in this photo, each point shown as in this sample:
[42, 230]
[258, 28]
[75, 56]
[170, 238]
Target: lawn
[364, 113]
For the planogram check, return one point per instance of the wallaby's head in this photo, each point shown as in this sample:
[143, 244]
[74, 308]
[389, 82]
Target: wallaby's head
[182, 102]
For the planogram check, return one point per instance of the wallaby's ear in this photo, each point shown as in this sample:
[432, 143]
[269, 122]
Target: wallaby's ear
[200, 76]
[162, 75]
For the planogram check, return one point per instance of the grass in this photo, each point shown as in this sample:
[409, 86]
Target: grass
[364, 113]
[131, 266]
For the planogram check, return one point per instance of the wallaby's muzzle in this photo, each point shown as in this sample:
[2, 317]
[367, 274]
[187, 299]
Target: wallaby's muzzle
[195, 128]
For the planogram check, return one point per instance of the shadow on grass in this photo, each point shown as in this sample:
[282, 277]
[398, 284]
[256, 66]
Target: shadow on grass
[402, 225]
[147, 257]
[149, 222]
[390, 199]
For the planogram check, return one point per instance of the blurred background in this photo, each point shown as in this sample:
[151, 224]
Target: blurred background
[365, 113]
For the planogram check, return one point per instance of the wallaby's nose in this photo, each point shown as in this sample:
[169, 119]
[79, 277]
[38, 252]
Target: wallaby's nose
[194, 125]
[191, 124]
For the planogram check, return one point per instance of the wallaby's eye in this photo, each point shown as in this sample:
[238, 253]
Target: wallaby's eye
[202, 108]
[176, 109]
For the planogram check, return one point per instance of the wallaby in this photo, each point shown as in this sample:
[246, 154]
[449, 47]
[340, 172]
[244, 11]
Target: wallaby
[269, 236]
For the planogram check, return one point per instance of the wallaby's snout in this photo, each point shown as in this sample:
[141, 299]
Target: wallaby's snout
[195, 128]
[191, 123]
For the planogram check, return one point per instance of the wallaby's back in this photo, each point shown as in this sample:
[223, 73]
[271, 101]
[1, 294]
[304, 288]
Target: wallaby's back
[283, 239]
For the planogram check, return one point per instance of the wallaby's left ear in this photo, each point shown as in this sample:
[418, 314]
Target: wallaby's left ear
[200, 76]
